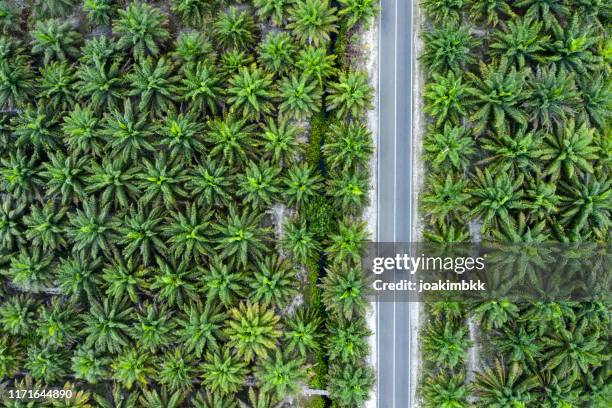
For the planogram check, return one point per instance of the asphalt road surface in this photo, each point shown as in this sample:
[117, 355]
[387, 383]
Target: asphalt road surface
[394, 181]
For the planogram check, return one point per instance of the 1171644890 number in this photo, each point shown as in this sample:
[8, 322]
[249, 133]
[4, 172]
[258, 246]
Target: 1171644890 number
[37, 394]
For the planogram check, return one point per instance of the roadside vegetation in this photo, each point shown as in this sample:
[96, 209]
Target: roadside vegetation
[182, 185]
[518, 99]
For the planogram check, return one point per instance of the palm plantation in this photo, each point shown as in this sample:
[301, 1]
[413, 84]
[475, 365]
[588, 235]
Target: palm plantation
[170, 175]
[516, 152]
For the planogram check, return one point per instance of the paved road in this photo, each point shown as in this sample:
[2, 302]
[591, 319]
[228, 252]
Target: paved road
[393, 334]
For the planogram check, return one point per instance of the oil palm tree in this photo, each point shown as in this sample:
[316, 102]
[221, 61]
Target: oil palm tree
[499, 387]
[19, 174]
[277, 52]
[117, 398]
[182, 134]
[132, 366]
[498, 92]
[18, 314]
[79, 277]
[127, 132]
[521, 346]
[542, 198]
[99, 51]
[494, 314]
[344, 290]
[45, 226]
[312, 22]
[38, 128]
[302, 332]
[241, 236]
[447, 342]
[53, 8]
[300, 97]
[348, 146]
[490, 10]
[274, 10]
[190, 48]
[175, 282]
[235, 28]
[89, 366]
[445, 390]
[199, 328]
[587, 204]
[162, 181]
[347, 342]
[155, 85]
[106, 325]
[102, 84]
[280, 142]
[358, 11]
[222, 284]
[272, 282]
[569, 150]
[553, 97]
[316, 62]
[114, 180]
[81, 130]
[232, 139]
[64, 176]
[250, 93]
[223, 372]
[152, 327]
[494, 197]
[301, 184]
[232, 60]
[299, 241]
[56, 324]
[16, 82]
[56, 86]
[444, 10]
[187, 233]
[520, 42]
[280, 374]
[139, 233]
[346, 243]
[90, 229]
[349, 191]
[214, 400]
[46, 363]
[141, 29]
[99, 11]
[446, 98]
[191, 12]
[548, 11]
[11, 233]
[252, 331]
[55, 39]
[572, 45]
[451, 147]
[201, 87]
[519, 151]
[30, 270]
[259, 186]
[596, 100]
[125, 279]
[445, 198]
[212, 184]
[351, 95]
[162, 399]
[350, 385]
[449, 47]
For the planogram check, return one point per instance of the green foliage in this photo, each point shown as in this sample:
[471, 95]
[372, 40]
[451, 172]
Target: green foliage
[141, 29]
[55, 39]
[312, 21]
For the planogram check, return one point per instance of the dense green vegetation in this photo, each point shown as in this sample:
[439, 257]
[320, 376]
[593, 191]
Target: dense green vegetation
[144, 150]
[519, 101]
